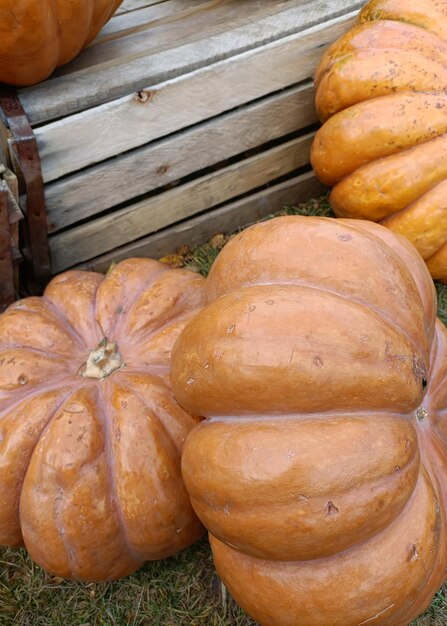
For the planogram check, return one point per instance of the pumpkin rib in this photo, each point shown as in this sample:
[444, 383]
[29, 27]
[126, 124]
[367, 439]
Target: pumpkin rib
[154, 414]
[406, 176]
[63, 321]
[306, 587]
[176, 311]
[35, 393]
[24, 402]
[351, 79]
[110, 463]
[61, 518]
[117, 281]
[400, 35]
[361, 304]
[353, 132]
[162, 384]
[53, 313]
[421, 220]
[165, 476]
[73, 293]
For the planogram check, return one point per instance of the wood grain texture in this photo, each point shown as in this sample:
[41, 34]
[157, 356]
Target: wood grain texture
[191, 23]
[110, 129]
[147, 18]
[134, 5]
[100, 187]
[64, 95]
[87, 240]
[226, 219]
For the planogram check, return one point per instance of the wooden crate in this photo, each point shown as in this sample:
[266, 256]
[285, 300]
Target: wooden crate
[183, 118]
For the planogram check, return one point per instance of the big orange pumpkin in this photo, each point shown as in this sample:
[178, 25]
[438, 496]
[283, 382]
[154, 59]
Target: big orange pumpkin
[90, 434]
[36, 36]
[320, 469]
[381, 91]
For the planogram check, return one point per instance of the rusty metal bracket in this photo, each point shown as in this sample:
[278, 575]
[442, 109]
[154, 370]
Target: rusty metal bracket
[7, 285]
[26, 164]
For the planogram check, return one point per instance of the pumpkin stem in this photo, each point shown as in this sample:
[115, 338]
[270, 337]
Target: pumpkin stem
[102, 361]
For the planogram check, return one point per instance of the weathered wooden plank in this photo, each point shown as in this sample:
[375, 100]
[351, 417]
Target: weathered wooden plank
[134, 5]
[94, 135]
[64, 95]
[115, 229]
[226, 219]
[145, 18]
[193, 24]
[98, 188]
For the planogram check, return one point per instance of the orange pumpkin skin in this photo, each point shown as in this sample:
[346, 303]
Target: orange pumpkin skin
[320, 471]
[380, 91]
[36, 37]
[90, 433]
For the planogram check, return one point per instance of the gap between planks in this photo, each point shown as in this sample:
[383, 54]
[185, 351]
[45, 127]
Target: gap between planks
[105, 131]
[98, 188]
[226, 219]
[115, 229]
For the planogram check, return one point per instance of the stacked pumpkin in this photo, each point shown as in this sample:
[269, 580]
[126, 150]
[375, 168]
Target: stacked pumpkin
[320, 469]
[381, 93]
[36, 37]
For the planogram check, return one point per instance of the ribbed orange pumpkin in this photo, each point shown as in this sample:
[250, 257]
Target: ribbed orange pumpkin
[381, 91]
[90, 434]
[36, 36]
[320, 471]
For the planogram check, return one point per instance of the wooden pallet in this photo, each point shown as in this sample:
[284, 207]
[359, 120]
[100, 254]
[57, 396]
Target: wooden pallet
[182, 119]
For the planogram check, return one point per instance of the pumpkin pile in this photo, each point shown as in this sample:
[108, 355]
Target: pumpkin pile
[320, 469]
[381, 93]
[37, 36]
[90, 433]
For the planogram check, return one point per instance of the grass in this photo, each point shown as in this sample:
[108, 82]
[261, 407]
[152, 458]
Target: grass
[181, 591]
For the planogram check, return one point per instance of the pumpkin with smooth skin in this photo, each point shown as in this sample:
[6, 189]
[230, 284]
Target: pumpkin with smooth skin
[90, 433]
[320, 469]
[381, 93]
[37, 36]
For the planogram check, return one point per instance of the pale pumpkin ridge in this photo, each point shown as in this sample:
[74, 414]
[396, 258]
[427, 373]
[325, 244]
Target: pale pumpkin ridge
[405, 152]
[439, 182]
[154, 413]
[132, 299]
[172, 321]
[70, 329]
[358, 303]
[104, 400]
[64, 398]
[436, 481]
[351, 297]
[58, 504]
[43, 351]
[375, 238]
[176, 313]
[35, 393]
[373, 482]
[382, 89]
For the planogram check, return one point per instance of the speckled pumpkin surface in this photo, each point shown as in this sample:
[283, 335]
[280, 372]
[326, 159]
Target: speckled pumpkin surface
[381, 93]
